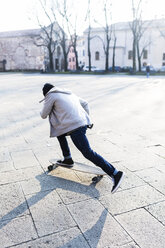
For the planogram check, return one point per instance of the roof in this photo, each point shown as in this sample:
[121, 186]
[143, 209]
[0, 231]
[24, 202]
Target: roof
[19, 33]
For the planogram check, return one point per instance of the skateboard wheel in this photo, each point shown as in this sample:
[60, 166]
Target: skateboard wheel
[95, 179]
[50, 167]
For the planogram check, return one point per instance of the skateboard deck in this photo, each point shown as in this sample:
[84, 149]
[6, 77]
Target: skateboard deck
[81, 168]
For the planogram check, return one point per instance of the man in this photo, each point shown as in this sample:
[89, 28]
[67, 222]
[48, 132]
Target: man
[69, 115]
[148, 70]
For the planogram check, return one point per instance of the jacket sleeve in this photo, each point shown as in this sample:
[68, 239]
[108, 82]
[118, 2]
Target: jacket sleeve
[84, 104]
[48, 105]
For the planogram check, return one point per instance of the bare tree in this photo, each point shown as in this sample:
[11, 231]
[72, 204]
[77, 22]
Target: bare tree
[88, 18]
[59, 8]
[71, 29]
[133, 26]
[46, 38]
[114, 49]
[107, 31]
[142, 27]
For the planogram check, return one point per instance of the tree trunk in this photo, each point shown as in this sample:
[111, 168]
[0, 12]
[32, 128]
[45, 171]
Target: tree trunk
[107, 54]
[106, 61]
[50, 59]
[89, 50]
[63, 44]
[113, 58]
[139, 58]
[76, 55]
[134, 55]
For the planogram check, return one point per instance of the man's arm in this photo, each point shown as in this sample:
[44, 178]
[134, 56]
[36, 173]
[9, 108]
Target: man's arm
[48, 105]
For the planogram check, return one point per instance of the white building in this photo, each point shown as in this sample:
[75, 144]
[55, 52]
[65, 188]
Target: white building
[81, 51]
[152, 41]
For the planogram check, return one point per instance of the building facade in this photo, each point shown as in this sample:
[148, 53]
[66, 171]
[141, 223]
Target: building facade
[80, 52]
[152, 43]
[22, 50]
[18, 49]
[19, 52]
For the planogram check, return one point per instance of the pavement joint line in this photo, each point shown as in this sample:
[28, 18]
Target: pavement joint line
[40, 237]
[156, 189]
[134, 209]
[38, 161]
[154, 216]
[125, 230]
[30, 212]
[79, 201]
[13, 218]
[78, 226]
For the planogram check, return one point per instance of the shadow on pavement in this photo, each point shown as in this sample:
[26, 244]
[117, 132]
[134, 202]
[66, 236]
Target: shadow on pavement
[48, 184]
[91, 235]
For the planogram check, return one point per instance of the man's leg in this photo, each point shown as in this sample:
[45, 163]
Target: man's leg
[65, 150]
[81, 142]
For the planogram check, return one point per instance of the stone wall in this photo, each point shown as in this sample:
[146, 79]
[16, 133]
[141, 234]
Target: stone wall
[19, 50]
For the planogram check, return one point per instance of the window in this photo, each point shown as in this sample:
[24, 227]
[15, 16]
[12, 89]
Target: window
[163, 56]
[83, 52]
[73, 59]
[163, 64]
[58, 51]
[69, 59]
[130, 55]
[97, 56]
[145, 54]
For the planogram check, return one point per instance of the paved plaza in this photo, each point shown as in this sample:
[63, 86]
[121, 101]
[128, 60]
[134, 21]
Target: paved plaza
[63, 208]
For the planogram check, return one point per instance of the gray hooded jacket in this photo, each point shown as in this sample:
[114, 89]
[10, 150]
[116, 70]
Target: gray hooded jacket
[65, 110]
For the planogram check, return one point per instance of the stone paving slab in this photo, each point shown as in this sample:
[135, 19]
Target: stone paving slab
[158, 211]
[65, 239]
[135, 162]
[12, 201]
[159, 185]
[151, 175]
[49, 214]
[6, 166]
[4, 154]
[44, 182]
[98, 226]
[131, 180]
[131, 199]
[158, 149]
[24, 174]
[23, 159]
[143, 228]
[16, 231]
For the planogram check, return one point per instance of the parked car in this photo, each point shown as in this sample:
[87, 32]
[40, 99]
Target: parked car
[93, 68]
[116, 69]
[162, 69]
[152, 69]
[126, 69]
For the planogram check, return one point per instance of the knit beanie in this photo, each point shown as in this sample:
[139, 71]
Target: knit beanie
[46, 88]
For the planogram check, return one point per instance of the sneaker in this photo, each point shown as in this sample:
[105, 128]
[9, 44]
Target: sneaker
[117, 181]
[68, 162]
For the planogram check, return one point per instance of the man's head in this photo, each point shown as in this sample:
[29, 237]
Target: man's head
[46, 88]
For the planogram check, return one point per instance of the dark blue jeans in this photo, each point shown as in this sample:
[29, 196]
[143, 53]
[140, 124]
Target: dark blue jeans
[81, 142]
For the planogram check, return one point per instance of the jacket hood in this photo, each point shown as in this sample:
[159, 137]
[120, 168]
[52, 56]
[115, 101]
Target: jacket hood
[56, 90]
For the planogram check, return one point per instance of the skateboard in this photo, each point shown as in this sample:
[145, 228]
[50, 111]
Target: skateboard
[98, 172]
